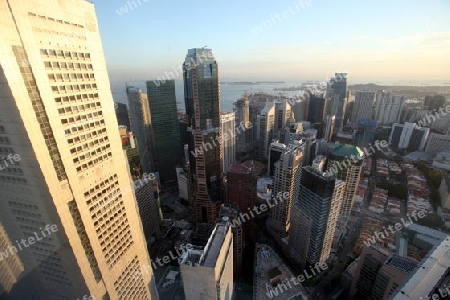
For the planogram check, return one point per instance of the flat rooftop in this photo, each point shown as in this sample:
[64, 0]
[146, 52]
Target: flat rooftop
[214, 245]
[428, 275]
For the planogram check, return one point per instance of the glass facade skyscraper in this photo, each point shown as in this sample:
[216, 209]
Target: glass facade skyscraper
[202, 99]
[165, 128]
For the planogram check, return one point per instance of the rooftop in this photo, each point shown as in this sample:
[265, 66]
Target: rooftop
[422, 282]
[348, 150]
[402, 264]
[212, 249]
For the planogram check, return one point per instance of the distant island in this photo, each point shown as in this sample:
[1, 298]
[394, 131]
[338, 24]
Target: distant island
[251, 82]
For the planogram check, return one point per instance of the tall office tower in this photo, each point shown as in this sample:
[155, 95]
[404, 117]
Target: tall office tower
[232, 213]
[437, 143]
[229, 135]
[337, 99]
[300, 107]
[330, 123]
[433, 102]
[408, 136]
[391, 275]
[149, 204]
[123, 118]
[11, 267]
[283, 115]
[379, 273]
[286, 185]
[316, 109]
[165, 128]
[388, 107]
[265, 130]
[241, 189]
[363, 107]
[346, 162]
[208, 273]
[57, 114]
[202, 99]
[141, 126]
[370, 262]
[314, 216]
[275, 152]
[242, 110]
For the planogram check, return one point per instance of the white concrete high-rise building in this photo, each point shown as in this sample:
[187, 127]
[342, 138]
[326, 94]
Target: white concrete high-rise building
[57, 115]
[265, 130]
[229, 135]
[208, 273]
[363, 107]
[388, 107]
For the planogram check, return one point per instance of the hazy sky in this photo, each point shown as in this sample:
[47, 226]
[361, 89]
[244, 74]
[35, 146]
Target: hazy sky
[374, 41]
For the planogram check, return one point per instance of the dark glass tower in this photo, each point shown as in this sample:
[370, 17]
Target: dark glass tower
[337, 99]
[202, 99]
[166, 130]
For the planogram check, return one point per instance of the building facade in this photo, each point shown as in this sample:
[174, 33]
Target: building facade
[58, 115]
[286, 184]
[165, 128]
[347, 169]
[363, 107]
[141, 127]
[229, 135]
[437, 143]
[202, 99]
[314, 216]
[208, 273]
[337, 98]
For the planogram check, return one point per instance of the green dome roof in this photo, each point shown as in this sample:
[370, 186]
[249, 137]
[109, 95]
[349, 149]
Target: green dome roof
[348, 150]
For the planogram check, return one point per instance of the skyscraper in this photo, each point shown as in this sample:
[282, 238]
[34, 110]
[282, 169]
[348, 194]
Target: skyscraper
[141, 126]
[346, 163]
[286, 185]
[314, 215]
[363, 107]
[202, 99]
[337, 94]
[241, 186]
[58, 115]
[388, 107]
[265, 130]
[229, 135]
[165, 128]
[123, 118]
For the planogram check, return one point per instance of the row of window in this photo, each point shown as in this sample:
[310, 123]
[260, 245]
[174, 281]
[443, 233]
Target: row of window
[12, 179]
[93, 163]
[82, 118]
[62, 65]
[87, 136]
[93, 154]
[11, 170]
[81, 128]
[71, 76]
[26, 213]
[6, 150]
[29, 221]
[4, 140]
[76, 98]
[69, 88]
[65, 54]
[76, 108]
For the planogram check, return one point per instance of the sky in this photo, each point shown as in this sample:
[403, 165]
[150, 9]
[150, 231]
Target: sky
[373, 41]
